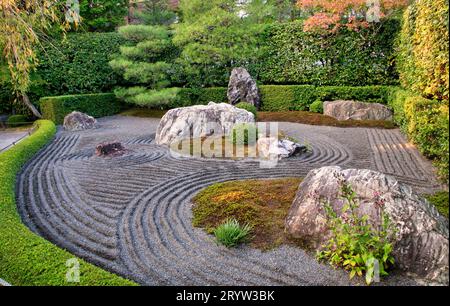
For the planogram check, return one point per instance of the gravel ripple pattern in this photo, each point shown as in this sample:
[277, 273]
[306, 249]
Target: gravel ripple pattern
[132, 214]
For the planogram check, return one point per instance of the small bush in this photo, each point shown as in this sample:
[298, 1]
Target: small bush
[244, 134]
[231, 233]
[316, 107]
[96, 105]
[355, 244]
[248, 107]
[17, 120]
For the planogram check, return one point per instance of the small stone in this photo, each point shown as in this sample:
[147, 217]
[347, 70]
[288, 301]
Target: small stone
[274, 149]
[77, 121]
[110, 149]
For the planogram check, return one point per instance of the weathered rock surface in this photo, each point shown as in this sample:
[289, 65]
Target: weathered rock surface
[200, 121]
[274, 149]
[110, 149]
[421, 239]
[242, 88]
[345, 110]
[77, 121]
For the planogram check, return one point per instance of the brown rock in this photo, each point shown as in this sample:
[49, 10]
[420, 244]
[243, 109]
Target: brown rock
[345, 110]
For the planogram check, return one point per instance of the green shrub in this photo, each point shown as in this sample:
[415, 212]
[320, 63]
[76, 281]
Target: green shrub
[17, 120]
[27, 259]
[355, 245]
[231, 233]
[426, 123]
[248, 107]
[244, 134]
[96, 105]
[316, 107]
[422, 56]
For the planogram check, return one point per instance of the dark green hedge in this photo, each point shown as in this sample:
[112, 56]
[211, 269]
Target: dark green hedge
[350, 58]
[96, 105]
[289, 97]
[426, 123]
[27, 259]
[77, 65]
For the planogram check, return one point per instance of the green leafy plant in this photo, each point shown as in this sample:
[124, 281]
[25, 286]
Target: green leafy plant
[231, 233]
[316, 107]
[248, 107]
[355, 244]
[244, 134]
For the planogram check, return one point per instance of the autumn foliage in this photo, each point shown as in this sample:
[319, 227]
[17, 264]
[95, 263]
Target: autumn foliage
[331, 15]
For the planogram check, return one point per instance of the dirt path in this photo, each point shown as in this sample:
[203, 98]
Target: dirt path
[132, 214]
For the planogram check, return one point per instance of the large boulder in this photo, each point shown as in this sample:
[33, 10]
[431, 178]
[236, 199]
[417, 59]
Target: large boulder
[421, 239]
[200, 121]
[274, 149]
[242, 88]
[77, 121]
[345, 110]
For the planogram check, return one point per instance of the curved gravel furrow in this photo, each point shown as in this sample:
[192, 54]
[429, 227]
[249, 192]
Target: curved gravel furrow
[131, 214]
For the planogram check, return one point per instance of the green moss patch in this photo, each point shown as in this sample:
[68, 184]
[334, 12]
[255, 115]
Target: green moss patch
[263, 204]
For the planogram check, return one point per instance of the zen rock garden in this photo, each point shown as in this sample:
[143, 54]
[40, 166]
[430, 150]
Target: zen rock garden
[224, 143]
[107, 222]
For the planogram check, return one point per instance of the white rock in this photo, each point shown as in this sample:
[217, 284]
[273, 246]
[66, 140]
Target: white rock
[199, 121]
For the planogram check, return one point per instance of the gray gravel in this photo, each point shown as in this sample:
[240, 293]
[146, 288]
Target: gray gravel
[132, 214]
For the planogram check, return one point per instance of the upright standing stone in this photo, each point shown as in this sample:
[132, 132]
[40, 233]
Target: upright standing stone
[242, 88]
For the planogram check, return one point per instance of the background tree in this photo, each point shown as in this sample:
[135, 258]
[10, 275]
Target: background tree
[267, 11]
[103, 15]
[22, 24]
[154, 12]
[329, 15]
[143, 63]
[213, 38]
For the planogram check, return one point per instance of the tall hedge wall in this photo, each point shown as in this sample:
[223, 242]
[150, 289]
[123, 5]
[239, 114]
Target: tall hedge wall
[423, 47]
[96, 105]
[293, 56]
[77, 65]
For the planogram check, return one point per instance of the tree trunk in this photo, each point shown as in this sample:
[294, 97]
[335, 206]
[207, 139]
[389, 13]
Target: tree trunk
[30, 105]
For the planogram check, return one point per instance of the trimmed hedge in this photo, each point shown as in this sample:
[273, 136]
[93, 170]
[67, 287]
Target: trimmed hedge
[95, 105]
[426, 123]
[77, 64]
[27, 259]
[276, 98]
[294, 56]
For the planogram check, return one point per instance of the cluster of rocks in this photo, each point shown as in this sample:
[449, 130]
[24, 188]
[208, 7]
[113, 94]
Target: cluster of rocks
[421, 233]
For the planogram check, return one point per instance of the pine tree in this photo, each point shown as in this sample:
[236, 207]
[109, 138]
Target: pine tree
[143, 63]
